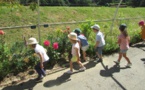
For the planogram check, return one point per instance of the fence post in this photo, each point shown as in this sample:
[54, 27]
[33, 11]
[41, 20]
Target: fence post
[38, 11]
[115, 16]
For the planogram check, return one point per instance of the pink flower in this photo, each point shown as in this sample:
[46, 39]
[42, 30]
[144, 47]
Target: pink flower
[141, 23]
[46, 43]
[55, 45]
[2, 32]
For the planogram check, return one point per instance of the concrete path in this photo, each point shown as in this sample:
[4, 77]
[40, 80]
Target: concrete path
[101, 76]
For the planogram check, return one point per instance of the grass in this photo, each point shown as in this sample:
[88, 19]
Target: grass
[20, 15]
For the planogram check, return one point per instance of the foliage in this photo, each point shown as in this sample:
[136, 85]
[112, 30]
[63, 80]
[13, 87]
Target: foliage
[15, 59]
[4, 51]
[86, 29]
[32, 3]
[64, 45]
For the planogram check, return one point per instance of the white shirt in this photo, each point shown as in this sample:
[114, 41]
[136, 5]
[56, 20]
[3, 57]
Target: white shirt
[100, 38]
[76, 45]
[41, 50]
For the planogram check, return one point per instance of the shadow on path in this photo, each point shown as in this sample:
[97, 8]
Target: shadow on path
[140, 46]
[108, 72]
[90, 64]
[22, 86]
[66, 77]
[143, 59]
[62, 79]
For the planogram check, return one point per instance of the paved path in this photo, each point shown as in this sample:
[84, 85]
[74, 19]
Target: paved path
[101, 76]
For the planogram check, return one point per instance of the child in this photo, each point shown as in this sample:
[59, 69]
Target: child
[100, 42]
[123, 41]
[75, 52]
[82, 41]
[142, 24]
[40, 51]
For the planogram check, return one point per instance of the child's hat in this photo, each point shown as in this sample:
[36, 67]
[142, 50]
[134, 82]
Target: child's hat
[141, 22]
[32, 41]
[77, 30]
[96, 26]
[122, 26]
[72, 36]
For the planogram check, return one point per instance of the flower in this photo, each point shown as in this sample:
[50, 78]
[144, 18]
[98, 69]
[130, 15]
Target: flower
[26, 60]
[2, 32]
[55, 45]
[46, 43]
[141, 23]
[68, 28]
[34, 54]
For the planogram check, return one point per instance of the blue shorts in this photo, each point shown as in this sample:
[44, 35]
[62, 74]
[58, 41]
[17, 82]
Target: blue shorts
[123, 51]
[99, 50]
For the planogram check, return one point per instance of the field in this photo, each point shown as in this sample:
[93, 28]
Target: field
[19, 16]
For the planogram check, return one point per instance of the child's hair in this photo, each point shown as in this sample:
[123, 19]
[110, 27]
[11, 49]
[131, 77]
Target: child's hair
[77, 31]
[122, 28]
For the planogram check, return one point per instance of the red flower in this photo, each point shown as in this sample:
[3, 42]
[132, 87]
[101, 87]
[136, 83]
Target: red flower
[2, 32]
[46, 43]
[55, 45]
[68, 28]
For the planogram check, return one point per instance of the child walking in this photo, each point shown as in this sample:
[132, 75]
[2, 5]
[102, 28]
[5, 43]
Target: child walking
[123, 41]
[82, 41]
[40, 51]
[100, 42]
[142, 24]
[75, 52]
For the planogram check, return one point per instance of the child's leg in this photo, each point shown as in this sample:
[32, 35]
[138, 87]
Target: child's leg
[71, 66]
[84, 55]
[127, 59]
[38, 70]
[81, 65]
[99, 52]
[120, 56]
[98, 55]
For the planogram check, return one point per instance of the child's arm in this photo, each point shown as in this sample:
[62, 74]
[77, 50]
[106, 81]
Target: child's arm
[119, 41]
[97, 43]
[79, 43]
[77, 54]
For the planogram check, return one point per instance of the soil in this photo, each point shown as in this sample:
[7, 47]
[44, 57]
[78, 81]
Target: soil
[12, 79]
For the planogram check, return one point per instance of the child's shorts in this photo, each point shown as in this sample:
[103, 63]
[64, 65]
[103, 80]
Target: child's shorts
[74, 59]
[123, 51]
[85, 48]
[99, 50]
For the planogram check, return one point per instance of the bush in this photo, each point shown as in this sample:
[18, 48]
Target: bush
[16, 59]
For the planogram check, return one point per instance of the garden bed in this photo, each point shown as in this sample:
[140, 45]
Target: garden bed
[11, 79]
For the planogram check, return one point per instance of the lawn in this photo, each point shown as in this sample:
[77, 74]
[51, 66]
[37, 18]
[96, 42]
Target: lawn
[20, 15]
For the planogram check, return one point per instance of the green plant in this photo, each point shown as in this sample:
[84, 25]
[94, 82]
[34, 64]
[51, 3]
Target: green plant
[86, 28]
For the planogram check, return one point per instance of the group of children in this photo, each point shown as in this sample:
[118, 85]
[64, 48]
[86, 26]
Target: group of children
[79, 41]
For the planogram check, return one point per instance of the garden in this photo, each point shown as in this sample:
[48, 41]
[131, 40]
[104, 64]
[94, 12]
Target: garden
[17, 57]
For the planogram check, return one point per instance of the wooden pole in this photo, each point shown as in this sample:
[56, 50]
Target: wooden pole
[114, 18]
[38, 11]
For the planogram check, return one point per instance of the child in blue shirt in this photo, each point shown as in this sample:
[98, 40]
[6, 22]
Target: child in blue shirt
[82, 41]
